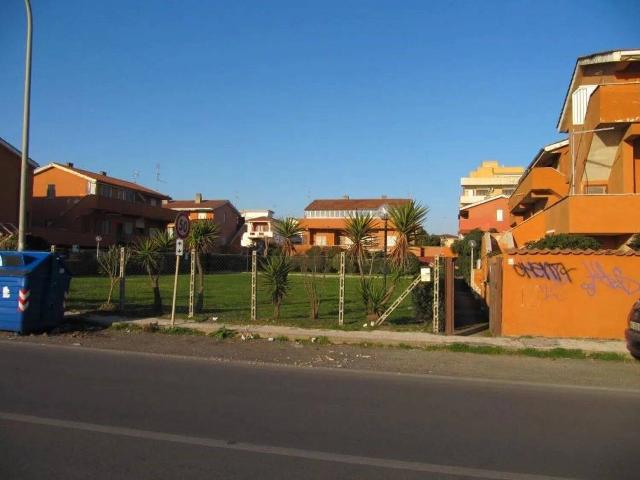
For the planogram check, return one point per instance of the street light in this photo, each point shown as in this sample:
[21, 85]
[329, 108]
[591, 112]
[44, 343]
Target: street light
[573, 152]
[383, 213]
[98, 240]
[24, 167]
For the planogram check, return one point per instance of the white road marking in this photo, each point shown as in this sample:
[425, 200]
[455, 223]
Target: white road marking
[274, 450]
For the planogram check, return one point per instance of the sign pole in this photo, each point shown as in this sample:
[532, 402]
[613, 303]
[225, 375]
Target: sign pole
[175, 291]
[192, 283]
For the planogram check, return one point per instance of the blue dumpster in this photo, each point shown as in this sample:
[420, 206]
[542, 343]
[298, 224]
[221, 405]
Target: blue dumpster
[33, 286]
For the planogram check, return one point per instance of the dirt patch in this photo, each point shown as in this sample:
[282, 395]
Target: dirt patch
[373, 358]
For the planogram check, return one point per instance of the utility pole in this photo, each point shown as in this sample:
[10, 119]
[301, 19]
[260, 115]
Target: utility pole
[24, 168]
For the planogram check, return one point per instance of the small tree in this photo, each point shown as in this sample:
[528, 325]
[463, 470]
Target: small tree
[288, 229]
[9, 241]
[359, 229]
[276, 279]
[202, 238]
[150, 253]
[462, 248]
[313, 287]
[109, 265]
[407, 219]
[376, 294]
[565, 241]
[634, 243]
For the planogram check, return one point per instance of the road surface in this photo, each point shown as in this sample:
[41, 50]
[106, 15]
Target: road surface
[77, 413]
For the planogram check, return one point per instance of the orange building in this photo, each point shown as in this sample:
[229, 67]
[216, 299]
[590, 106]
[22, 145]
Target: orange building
[226, 216]
[72, 206]
[588, 184]
[324, 221]
[10, 165]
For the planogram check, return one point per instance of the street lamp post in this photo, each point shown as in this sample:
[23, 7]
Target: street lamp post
[383, 212]
[98, 240]
[24, 168]
[573, 152]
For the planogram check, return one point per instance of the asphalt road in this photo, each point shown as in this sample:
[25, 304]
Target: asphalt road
[76, 413]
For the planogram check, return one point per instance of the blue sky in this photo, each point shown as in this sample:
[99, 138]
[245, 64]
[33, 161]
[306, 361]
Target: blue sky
[272, 104]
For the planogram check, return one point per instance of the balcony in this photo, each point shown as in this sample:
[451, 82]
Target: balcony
[539, 185]
[260, 234]
[497, 181]
[122, 207]
[469, 199]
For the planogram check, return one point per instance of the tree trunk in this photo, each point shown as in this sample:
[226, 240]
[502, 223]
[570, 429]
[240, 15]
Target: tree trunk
[200, 290]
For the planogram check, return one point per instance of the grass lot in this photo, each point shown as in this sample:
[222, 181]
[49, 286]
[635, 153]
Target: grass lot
[227, 296]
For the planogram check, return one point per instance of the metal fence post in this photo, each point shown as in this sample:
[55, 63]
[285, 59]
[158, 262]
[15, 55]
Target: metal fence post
[449, 286]
[436, 295]
[254, 285]
[192, 284]
[341, 293]
[122, 279]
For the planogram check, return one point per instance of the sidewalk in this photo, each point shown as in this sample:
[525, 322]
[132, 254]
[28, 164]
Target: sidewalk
[385, 337]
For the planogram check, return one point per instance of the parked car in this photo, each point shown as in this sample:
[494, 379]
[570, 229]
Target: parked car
[633, 332]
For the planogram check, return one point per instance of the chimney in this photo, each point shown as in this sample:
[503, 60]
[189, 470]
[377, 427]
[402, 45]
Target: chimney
[198, 198]
[103, 173]
[346, 197]
[69, 164]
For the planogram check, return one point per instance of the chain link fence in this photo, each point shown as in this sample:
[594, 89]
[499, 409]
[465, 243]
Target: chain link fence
[309, 296]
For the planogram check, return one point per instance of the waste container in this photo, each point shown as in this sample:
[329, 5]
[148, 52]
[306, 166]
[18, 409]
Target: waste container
[33, 286]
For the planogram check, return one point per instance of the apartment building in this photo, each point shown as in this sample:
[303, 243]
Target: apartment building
[226, 216]
[73, 206]
[588, 183]
[10, 165]
[488, 180]
[324, 220]
[488, 215]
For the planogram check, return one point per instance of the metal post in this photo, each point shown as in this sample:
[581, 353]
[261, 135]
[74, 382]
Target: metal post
[436, 295]
[97, 249]
[471, 271]
[175, 291]
[24, 169]
[448, 294]
[384, 267]
[192, 284]
[122, 279]
[53, 248]
[254, 285]
[341, 292]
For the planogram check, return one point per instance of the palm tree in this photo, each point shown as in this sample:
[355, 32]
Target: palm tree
[276, 278]
[202, 238]
[288, 229]
[359, 229]
[407, 219]
[150, 252]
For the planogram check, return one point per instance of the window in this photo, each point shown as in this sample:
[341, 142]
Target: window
[51, 191]
[391, 240]
[104, 190]
[499, 215]
[128, 228]
[130, 196]
[153, 202]
[320, 240]
[202, 215]
[595, 189]
[105, 227]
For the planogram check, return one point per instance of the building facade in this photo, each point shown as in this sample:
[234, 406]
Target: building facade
[222, 212]
[10, 165]
[488, 180]
[489, 215]
[72, 206]
[325, 220]
[588, 184]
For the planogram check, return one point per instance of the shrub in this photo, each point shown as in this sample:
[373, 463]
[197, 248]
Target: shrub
[422, 301]
[635, 242]
[565, 241]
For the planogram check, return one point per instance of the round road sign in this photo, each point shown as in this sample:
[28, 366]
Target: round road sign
[182, 225]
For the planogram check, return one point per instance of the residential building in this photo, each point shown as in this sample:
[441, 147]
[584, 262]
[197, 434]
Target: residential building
[324, 221]
[488, 215]
[72, 206]
[588, 184]
[488, 180]
[258, 227]
[222, 212]
[11, 165]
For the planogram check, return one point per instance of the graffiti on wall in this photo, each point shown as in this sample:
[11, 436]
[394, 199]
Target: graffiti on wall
[555, 272]
[614, 279]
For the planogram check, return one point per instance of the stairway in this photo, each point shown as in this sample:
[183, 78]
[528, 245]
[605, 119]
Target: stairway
[470, 315]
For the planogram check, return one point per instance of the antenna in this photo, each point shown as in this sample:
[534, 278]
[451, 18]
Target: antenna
[136, 175]
[158, 179]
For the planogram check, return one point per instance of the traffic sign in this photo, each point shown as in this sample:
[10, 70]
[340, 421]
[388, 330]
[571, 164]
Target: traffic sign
[182, 225]
[179, 247]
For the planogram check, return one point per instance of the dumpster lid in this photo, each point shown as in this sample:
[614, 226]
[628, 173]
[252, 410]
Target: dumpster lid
[19, 263]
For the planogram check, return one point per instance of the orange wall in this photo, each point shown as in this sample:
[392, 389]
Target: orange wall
[484, 217]
[67, 184]
[584, 296]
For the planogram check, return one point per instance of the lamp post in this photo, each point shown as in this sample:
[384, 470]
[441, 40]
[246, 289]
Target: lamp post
[98, 240]
[24, 167]
[573, 152]
[472, 244]
[383, 213]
